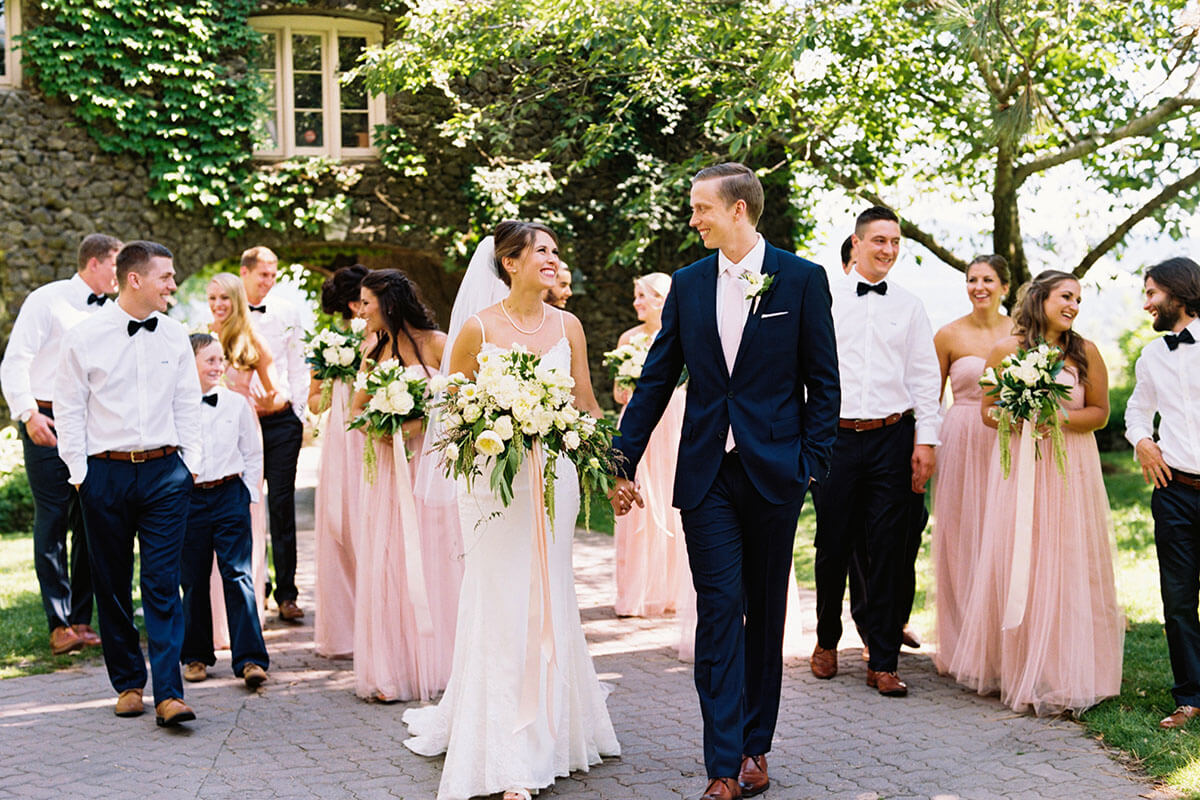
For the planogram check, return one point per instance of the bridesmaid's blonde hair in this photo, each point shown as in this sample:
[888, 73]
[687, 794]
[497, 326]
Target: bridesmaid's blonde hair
[657, 282]
[236, 336]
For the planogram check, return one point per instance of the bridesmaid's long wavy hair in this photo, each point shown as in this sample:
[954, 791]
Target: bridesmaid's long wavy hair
[1029, 318]
[236, 336]
[402, 309]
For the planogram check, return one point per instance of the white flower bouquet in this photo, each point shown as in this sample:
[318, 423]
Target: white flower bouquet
[1027, 391]
[625, 363]
[514, 404]
[398, 394]
[334, 354]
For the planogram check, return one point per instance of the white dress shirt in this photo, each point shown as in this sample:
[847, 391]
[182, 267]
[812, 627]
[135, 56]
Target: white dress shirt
[30, 362]
[1168, 381]
[885, 355]
[733, 307]
[232, 441]
[282, 330]
[120, 392]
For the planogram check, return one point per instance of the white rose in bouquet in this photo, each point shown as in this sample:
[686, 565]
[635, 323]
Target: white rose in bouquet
[358, 325]
[330, 354]
[346, 356]
[489, 444]
[571, 440]
[503, 427]
[471, 413]
[401, 403]
[452, 452]
[379, 402]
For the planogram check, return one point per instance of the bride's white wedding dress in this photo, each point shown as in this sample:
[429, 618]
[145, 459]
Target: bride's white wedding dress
[475, 723]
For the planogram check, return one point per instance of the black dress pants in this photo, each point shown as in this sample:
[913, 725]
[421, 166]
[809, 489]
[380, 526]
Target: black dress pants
[283, 434]
[1176, 510]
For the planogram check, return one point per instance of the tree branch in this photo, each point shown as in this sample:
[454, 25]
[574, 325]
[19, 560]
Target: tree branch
[1166, 196]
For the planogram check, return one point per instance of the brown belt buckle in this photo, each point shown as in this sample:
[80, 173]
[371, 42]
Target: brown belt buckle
[861, 425]
[133, 456]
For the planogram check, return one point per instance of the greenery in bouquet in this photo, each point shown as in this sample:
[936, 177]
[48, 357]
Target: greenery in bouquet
[398, 394]
[515, 401]
[1026, 390]
[625, 362]
[334, 353]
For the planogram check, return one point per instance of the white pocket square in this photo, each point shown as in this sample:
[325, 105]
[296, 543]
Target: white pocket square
[774, 314]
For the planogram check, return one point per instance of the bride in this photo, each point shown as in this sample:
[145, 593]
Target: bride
[507, 722]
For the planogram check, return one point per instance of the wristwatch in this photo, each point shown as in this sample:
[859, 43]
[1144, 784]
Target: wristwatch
[25, 415]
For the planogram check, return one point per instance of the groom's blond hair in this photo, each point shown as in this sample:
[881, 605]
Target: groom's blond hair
[738, 182]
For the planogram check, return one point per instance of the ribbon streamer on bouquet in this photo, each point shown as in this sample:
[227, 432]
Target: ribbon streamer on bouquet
[539, 636]
[414, 565]
[1022, 553]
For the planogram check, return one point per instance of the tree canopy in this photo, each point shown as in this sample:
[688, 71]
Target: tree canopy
[962, 98]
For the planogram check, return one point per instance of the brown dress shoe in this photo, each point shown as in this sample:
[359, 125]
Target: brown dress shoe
[888, 683]
[823, 663]
[254, 675]
[752, 779]
[1179, 717]
[289, 611]
[722, 789]
[129, 703]
[64, 640]
[908, 637]
[195, 671]
[90, 637]
[172, 711]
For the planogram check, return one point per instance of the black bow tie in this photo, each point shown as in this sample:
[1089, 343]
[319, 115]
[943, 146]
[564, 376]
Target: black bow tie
[1173, 340]
[211, 399]
[149, 324]
[98, 299]
[260, 309]
[864, 287]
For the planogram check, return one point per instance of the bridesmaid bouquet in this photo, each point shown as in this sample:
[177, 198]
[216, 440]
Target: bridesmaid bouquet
[398, 394]
[625, 363]
[333, 354]
[1027, 390]
[514, 404]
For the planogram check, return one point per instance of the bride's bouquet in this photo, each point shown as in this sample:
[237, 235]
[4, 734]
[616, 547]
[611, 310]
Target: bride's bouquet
[333, 354]
[517, 404]
[1027, 391]
[625, 363]
[398, 394]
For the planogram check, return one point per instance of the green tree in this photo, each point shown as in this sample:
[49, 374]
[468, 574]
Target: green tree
[961, 98]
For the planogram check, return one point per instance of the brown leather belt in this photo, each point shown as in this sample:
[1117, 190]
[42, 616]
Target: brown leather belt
[1191, 481]
[216, 483]
[137, 456]
[860, 425]
[272, 414]
[44, 405]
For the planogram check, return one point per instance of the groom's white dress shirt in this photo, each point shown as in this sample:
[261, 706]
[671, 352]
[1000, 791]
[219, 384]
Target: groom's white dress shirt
[733, 307]
[282, 330]
[121, 392]
[886, 357]
[30, 362]
[1168, 381]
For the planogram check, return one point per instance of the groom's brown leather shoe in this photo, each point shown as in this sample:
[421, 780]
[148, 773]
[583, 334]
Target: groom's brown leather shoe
[171, 712]
[1179, 717]
[753, 778]
[823, 663]
[722, 789]
[888, 683]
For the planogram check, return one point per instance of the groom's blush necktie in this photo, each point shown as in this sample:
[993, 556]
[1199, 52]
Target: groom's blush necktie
[733, 316]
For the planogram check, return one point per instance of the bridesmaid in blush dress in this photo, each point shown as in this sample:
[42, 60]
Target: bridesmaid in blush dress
[1052, 585]
[406, 579]
[339, 479]
[966, 450]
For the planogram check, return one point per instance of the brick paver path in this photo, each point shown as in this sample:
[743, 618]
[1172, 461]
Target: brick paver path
[305, 735]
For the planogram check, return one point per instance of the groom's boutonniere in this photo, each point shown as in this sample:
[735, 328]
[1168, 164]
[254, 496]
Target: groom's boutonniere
[757, 285]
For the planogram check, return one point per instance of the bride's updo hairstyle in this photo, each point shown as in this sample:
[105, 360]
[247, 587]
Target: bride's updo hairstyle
[1029, 318]
[401, 307]
[512, 237]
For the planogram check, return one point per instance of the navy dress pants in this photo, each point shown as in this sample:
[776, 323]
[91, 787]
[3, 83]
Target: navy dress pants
[65, 578]
[740, 550]
[219, 522]
[1176, 510]
[282, 436]
[148, 500]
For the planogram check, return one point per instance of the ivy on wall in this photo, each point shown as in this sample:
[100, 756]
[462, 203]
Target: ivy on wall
[170, 83]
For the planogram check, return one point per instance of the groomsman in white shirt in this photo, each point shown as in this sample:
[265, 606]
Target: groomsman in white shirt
[127, 404]
[1168, 383]
[282, 329]
[883, 454]
[27, 376]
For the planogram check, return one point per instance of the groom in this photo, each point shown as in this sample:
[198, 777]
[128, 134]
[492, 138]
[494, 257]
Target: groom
[752, 325]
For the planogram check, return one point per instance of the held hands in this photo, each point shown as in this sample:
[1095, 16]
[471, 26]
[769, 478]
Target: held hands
[624, 495]
[41, 430]
[1154, 469]
[923, 461]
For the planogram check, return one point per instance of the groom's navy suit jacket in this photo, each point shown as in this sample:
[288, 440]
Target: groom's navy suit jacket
[783, 398]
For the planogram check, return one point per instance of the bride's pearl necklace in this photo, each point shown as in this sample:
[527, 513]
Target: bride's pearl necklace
[504, 311]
